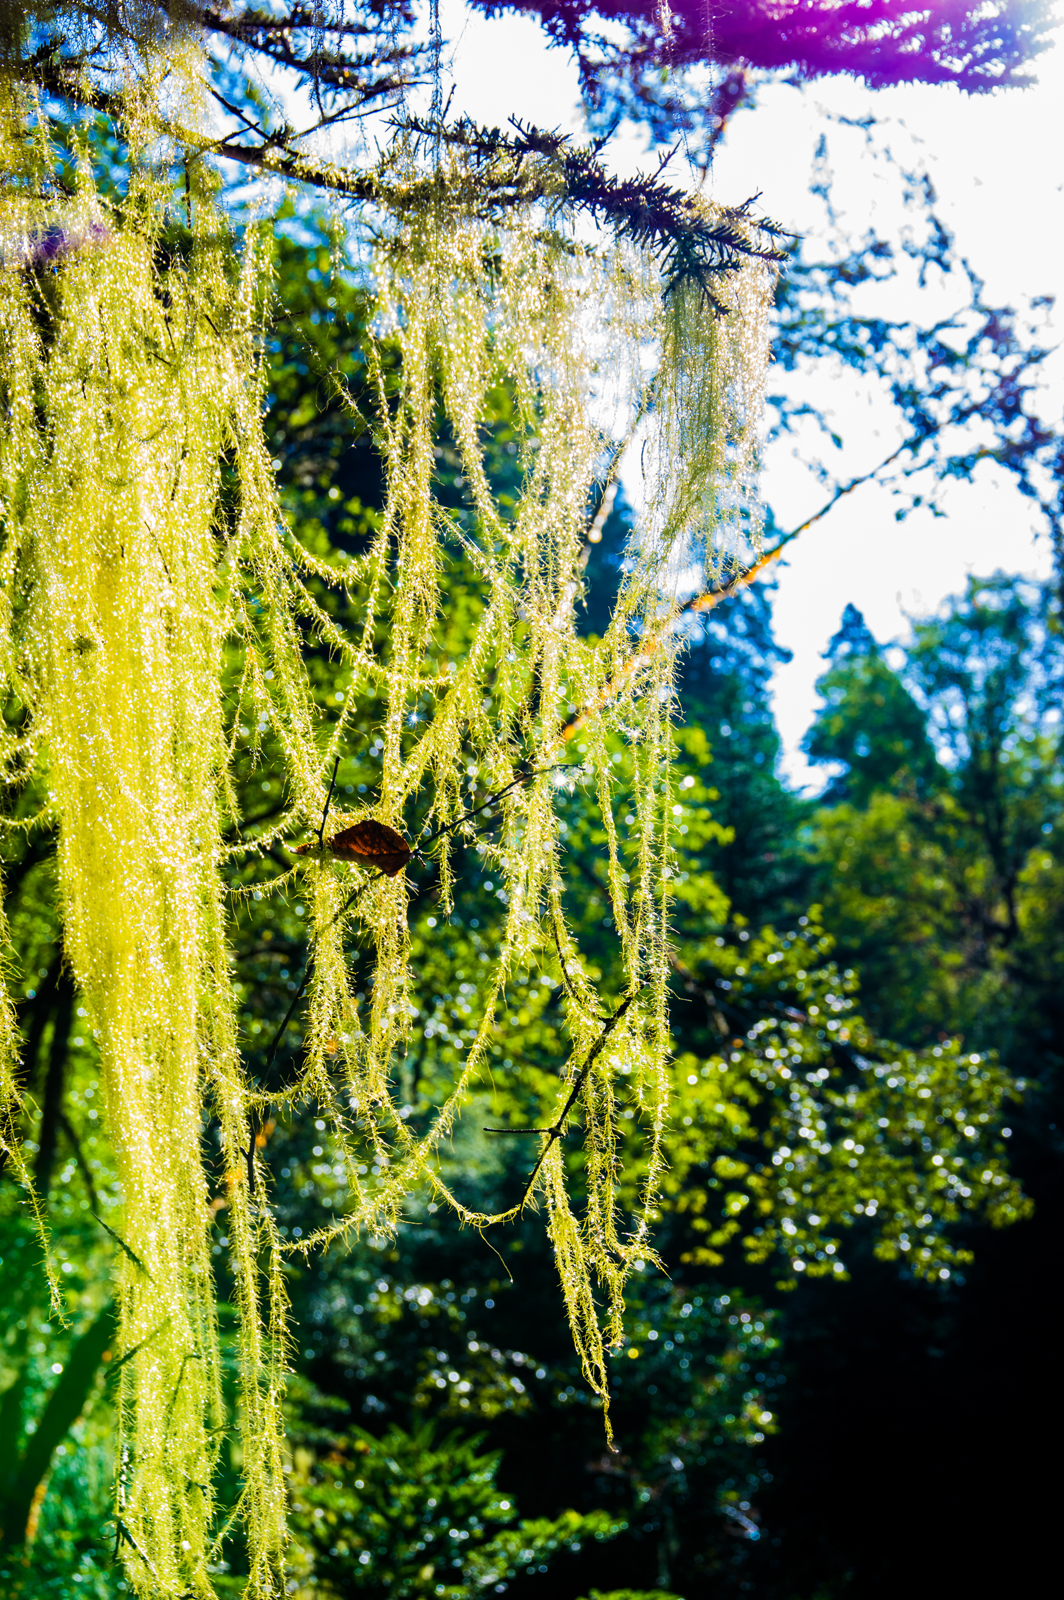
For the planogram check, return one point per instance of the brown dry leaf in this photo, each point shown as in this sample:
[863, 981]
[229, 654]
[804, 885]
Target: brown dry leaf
[371, 844]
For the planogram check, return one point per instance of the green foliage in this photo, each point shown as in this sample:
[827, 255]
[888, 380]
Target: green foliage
[872, 725]
[409, 1515]
[804, 1122]
[72, 1549]
[756, 859]
[929, 873]
[632, 1594]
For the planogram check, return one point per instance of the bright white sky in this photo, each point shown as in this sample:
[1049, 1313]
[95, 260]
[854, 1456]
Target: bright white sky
[997, 163]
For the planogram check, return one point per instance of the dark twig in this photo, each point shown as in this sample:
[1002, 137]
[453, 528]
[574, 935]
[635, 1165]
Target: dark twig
[328, 802]
[249, 1157]
[693, 243]
[117, 1237]
[79, 1156]
[523, 777]
[135, 1349]
[279, 1035]
[122, 1532]
[516, 1132]
[558, 1129]
[663, 163]
[252, 127]
[467, 816]
[354, 898]
[189, 1355]
[297, 997]
[570, 991]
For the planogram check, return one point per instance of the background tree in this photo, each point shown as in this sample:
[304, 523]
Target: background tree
[940, 888]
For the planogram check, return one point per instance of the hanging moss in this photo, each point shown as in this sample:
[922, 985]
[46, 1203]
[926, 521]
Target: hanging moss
[143, 550]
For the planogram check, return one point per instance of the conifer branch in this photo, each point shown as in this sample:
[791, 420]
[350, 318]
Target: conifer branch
[691, 241]
[275, 37]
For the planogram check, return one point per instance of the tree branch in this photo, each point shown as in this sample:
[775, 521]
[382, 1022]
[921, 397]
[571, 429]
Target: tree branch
[557, 1129]
[709, 599]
